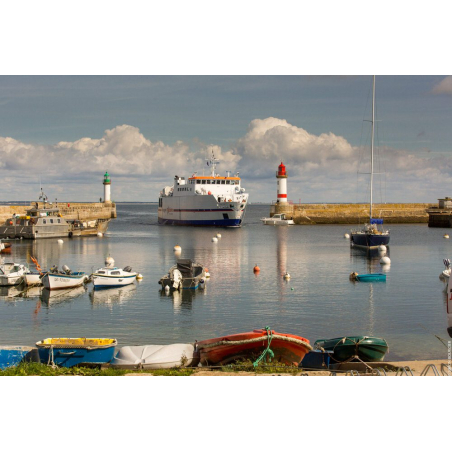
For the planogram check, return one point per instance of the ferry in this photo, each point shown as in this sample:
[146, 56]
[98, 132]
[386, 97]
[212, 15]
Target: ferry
[212, 200]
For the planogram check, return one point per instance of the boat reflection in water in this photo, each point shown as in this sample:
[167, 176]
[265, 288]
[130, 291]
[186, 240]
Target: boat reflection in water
[51, 298]
[182, 300]
[449, 311]
[114, 295]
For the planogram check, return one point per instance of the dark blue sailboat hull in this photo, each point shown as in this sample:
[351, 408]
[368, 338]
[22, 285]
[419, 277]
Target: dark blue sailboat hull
[368, 240]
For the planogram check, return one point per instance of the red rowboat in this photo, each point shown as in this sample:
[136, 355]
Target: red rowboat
[287, 348]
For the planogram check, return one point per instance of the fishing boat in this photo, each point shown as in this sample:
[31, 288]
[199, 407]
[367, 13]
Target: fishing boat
[370, 236]
[445, 274]
[5, 247]
[13, 355]
[368, 277]
[12, 274]
[186, 274]
[287, 348]
[107, 277]
[156, 356]
[211, 200]
[65, 279]
[68, 352]
[279, 219]
[365, 348]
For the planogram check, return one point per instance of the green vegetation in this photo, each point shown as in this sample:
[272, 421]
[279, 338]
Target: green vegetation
[262, 368]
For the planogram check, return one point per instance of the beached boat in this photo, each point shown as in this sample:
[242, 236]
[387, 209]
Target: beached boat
[370, 236]
[184, 275]
[279, 219]
[13, 355]
[55, 279]
[68, 352]
[12, 274]
[156, 356]
[212, 200]
[107, 277]
[341, 349]
[287, 348]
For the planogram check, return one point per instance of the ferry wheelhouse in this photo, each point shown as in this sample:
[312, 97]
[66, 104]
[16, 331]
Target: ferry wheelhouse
[212, 200]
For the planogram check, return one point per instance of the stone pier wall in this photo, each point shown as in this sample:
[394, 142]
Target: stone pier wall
[84, 211]
[353, 213]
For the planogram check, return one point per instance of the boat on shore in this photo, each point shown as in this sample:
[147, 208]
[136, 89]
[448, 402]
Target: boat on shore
[107, 277]
[66, 279]
[348, 348]
[69, 352]
[286, 348]
[212, 200]
[156, 357]
[186, 274]
[12, 273]
[13, 355]
[279, 219]
[370, 236]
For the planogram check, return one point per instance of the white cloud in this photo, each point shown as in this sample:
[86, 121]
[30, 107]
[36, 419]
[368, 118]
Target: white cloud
[322, 168]
[444, 86]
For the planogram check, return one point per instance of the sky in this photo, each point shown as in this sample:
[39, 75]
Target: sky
[66, 131]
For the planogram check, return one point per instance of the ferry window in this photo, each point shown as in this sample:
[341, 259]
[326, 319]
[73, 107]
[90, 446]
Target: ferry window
[59, 220]
[218, 182]
[236, 182]
[223, 182]
[198, 181]
[208, 181]
[44, 221]
[51, 220]
[228, 182]
[203, 181]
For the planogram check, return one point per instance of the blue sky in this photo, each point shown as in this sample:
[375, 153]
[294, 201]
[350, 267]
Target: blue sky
[162, 125]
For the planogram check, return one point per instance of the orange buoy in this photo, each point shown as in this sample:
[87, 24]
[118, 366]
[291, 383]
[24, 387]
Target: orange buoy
[256, 269]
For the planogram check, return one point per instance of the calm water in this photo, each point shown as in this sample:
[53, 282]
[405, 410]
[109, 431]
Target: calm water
[318, 302]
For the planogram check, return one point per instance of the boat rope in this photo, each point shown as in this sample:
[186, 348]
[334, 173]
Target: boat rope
[268, 350]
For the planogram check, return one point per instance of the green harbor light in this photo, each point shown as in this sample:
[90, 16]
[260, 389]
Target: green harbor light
[106, 178]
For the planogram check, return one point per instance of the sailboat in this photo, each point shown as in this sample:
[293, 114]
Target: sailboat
[370, 236]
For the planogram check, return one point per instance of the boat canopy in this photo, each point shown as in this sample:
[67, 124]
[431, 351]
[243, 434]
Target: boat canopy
[376, 221]
[185, 266]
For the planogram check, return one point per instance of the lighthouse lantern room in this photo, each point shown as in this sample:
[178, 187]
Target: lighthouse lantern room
[281, 177]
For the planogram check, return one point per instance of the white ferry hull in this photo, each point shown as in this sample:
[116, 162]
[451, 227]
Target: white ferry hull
[200, 211]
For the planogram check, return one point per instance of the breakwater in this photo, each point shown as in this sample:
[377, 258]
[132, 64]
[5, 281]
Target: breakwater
[353, 213]
[83, 211]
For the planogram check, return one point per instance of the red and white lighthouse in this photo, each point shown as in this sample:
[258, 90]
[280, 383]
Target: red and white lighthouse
[281, 177]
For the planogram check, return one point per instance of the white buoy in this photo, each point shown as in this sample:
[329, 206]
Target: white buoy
[214, 239]
[219, 235]
[99, 234]
[207, 275]
[139, 277]
[177, 248]
[286, 275]
[109, 261]
[60, 241]
[346, 236]
[385, 260]
[202, 283]
[382, 248]
[446, 236]
[167, 288]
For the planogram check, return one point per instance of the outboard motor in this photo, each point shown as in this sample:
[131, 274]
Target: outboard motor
[66, 269]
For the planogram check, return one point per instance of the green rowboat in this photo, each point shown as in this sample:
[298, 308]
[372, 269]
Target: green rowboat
[340, 349]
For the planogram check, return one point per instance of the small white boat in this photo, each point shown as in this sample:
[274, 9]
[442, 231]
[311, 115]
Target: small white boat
[156, 356]
[33, 279]
[445, 274]
[279, 219]
[12, 274]
[56, 280]
[113, 277]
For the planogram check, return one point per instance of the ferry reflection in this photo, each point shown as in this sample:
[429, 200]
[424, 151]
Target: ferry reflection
[20, 291]
[55, 297]
[114, 295]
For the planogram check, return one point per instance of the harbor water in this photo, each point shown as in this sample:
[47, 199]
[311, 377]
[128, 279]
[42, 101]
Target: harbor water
[319, 301]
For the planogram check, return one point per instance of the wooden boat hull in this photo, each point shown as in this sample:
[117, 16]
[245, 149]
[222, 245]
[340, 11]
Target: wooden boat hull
[69, 352]
[57, 281]
[341, 349]
[287, 348]
[13, 355]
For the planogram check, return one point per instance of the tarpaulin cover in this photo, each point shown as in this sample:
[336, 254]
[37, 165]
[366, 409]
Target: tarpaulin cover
[185, 267]
[376, 221]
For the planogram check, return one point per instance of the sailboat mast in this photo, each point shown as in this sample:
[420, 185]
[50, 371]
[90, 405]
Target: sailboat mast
[372, 147]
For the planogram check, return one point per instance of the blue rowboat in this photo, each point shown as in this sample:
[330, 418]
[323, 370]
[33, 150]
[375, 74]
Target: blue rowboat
[69, 352]
[13, 355]
[371, 277]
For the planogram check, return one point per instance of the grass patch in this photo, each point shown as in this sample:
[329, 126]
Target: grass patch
[262, 368]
